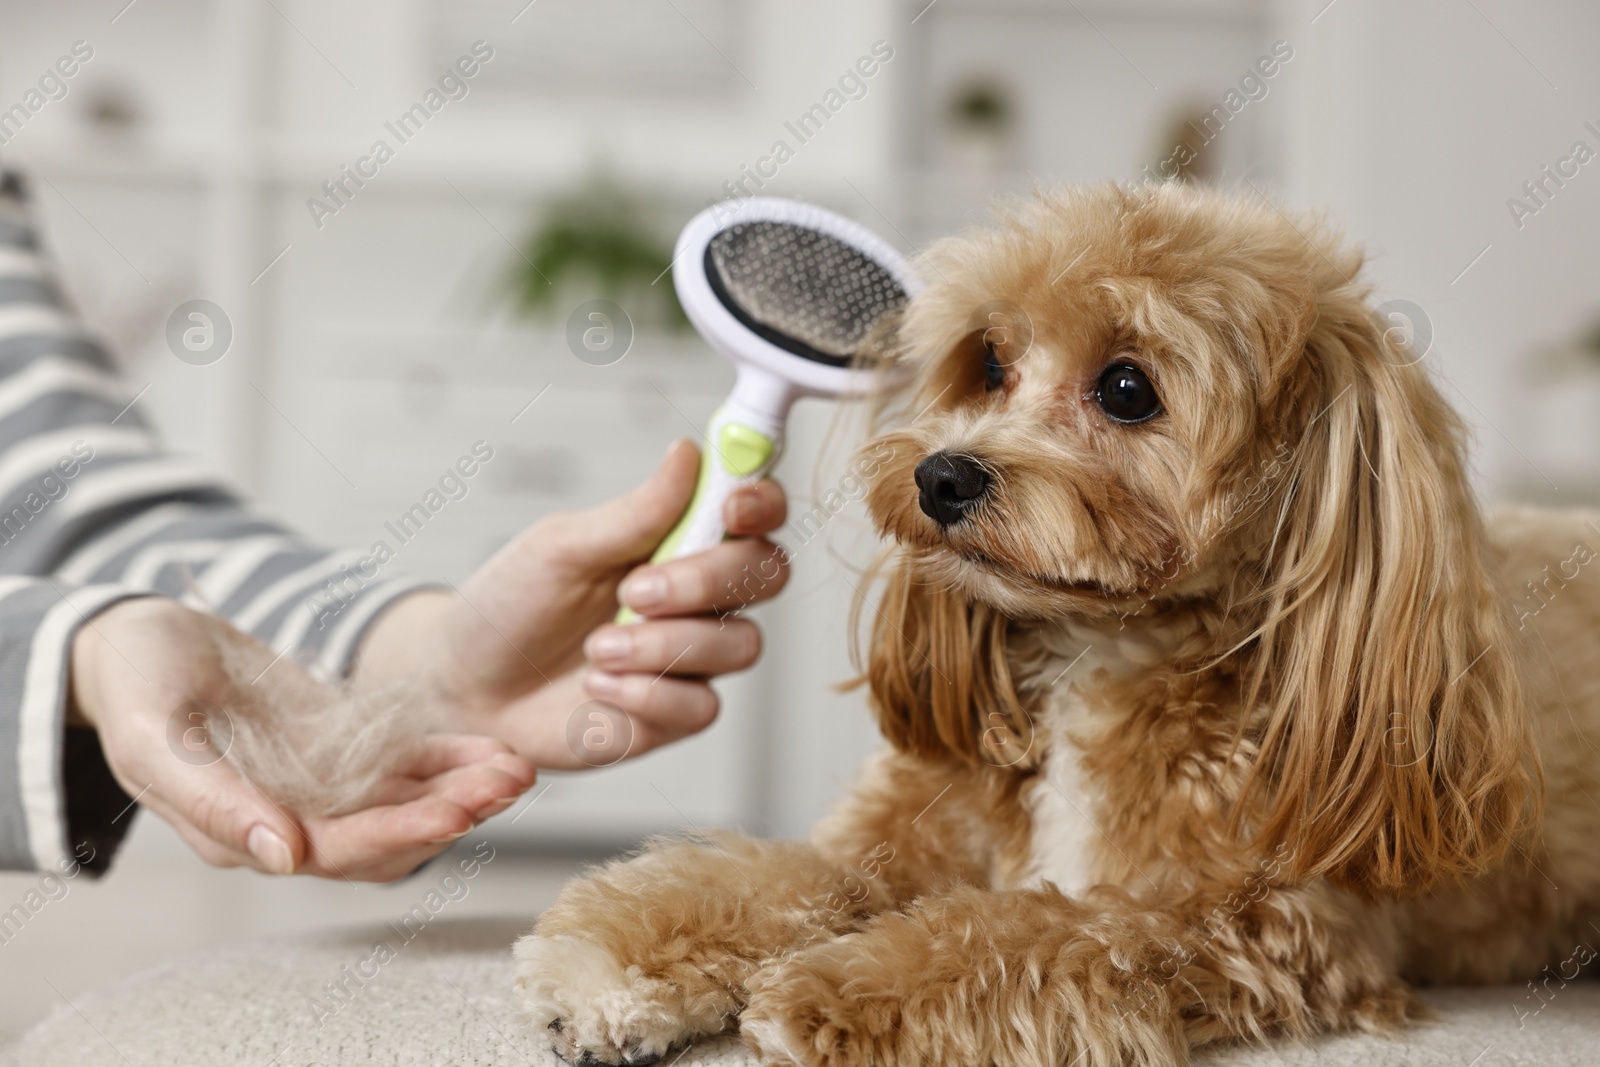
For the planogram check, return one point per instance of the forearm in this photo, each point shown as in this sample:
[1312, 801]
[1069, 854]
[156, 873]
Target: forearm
[402, 641]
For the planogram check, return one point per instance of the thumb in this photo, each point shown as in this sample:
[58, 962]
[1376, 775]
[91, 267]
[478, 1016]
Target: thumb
[224, 807]
[628, 528]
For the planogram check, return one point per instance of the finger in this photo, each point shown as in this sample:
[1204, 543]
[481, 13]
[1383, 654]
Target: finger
[442, 808]
[629, 527]
[481, 789]
[353, 845]
[226, 809]
[755, 510]
[660, 709]
[731, 575]
[443, 752]
[695, 646]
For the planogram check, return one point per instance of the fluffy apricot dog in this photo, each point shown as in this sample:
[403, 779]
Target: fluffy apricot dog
[1215, 709]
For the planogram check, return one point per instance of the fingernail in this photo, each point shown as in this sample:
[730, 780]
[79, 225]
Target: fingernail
[601, 684]
[644, 590]
[270, 850]
[490, 810]
[610, 645]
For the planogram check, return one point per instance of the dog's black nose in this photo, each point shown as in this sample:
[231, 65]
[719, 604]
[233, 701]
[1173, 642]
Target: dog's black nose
[950, 486]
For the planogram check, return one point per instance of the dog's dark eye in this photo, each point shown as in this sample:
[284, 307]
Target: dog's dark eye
[1127, 395]
[994, 372]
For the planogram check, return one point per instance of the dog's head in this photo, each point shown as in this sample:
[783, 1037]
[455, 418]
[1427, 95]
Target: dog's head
[1129, 402]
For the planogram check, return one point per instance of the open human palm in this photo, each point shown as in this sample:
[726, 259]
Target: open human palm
[163, 685]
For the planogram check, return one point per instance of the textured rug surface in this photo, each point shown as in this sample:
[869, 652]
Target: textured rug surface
[444, 999]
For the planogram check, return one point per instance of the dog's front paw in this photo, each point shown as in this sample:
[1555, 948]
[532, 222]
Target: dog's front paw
[970, 978]
[830, 1006]
[591, 1009]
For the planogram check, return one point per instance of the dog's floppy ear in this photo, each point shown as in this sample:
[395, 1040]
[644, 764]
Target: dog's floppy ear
[940, 680]
[1398, 751]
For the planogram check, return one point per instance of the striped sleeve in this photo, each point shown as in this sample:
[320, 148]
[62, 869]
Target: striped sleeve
[92, 511]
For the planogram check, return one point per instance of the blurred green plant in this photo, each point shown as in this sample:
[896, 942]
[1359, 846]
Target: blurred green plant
[600, 239]
[982, 105]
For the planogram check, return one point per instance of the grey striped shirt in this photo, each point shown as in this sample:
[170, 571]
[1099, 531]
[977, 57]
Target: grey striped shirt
[92, 511]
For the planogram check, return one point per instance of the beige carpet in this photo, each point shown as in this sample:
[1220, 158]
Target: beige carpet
[444, 1000]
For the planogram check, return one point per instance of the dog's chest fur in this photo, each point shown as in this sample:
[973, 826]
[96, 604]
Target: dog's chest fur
[1065, 805]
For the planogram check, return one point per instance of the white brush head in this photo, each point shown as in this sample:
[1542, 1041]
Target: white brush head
[790, 289]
